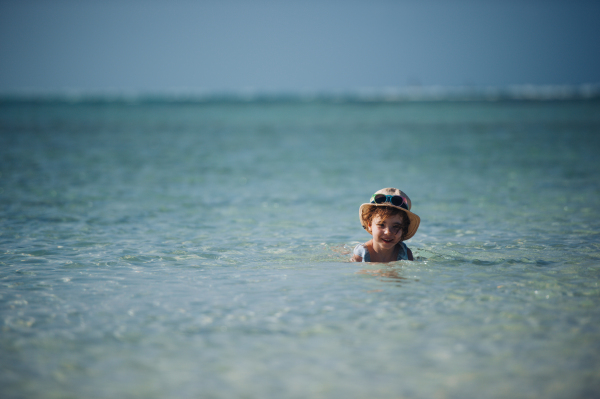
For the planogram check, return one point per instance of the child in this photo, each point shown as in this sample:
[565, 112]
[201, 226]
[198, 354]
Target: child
[389, 220]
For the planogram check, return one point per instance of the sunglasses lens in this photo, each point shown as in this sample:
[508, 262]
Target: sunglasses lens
[379, 199]
[397, 200]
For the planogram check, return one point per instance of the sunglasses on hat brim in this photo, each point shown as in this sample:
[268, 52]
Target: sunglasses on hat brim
[396, 200]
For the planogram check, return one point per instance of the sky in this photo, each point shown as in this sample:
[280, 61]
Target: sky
[302, 45]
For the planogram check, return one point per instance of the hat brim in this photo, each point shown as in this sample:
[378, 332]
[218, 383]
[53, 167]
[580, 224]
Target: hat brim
[415, 220]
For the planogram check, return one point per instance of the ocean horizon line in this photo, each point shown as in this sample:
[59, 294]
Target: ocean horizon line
[524, 92]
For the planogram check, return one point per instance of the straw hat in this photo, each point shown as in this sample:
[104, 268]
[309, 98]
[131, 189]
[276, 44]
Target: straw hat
[414, 219]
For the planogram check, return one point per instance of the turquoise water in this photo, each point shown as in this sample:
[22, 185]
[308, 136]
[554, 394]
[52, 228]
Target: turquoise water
[200, 250]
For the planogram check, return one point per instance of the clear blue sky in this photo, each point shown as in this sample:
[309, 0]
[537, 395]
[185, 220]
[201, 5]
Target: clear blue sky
[295, 45]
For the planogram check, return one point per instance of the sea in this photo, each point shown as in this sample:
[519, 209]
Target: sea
[200, 248]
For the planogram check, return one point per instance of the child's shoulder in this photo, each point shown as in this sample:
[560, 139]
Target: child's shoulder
[409, 253]
[404, 252]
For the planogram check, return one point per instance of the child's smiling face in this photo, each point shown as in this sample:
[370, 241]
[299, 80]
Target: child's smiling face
[387, 232]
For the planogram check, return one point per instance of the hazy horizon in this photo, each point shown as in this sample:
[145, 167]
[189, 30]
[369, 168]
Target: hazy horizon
[269, 46]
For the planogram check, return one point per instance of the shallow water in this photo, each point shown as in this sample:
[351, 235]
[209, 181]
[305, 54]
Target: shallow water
[154, 250]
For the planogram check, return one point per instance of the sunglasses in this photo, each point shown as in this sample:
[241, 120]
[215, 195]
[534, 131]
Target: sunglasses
[392, 199]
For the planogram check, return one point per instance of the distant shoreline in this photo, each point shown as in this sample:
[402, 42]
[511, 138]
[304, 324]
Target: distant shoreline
[361, 95]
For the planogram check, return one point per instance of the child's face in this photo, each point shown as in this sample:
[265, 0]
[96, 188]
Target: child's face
[387, 232]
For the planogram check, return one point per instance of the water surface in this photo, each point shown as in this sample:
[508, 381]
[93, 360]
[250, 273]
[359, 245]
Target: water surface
[155, 249]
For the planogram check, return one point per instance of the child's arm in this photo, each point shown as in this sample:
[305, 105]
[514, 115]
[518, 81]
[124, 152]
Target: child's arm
[409, 254]
[356, 258]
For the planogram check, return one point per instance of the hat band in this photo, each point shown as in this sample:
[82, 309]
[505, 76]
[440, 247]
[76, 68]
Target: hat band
[396, 200]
